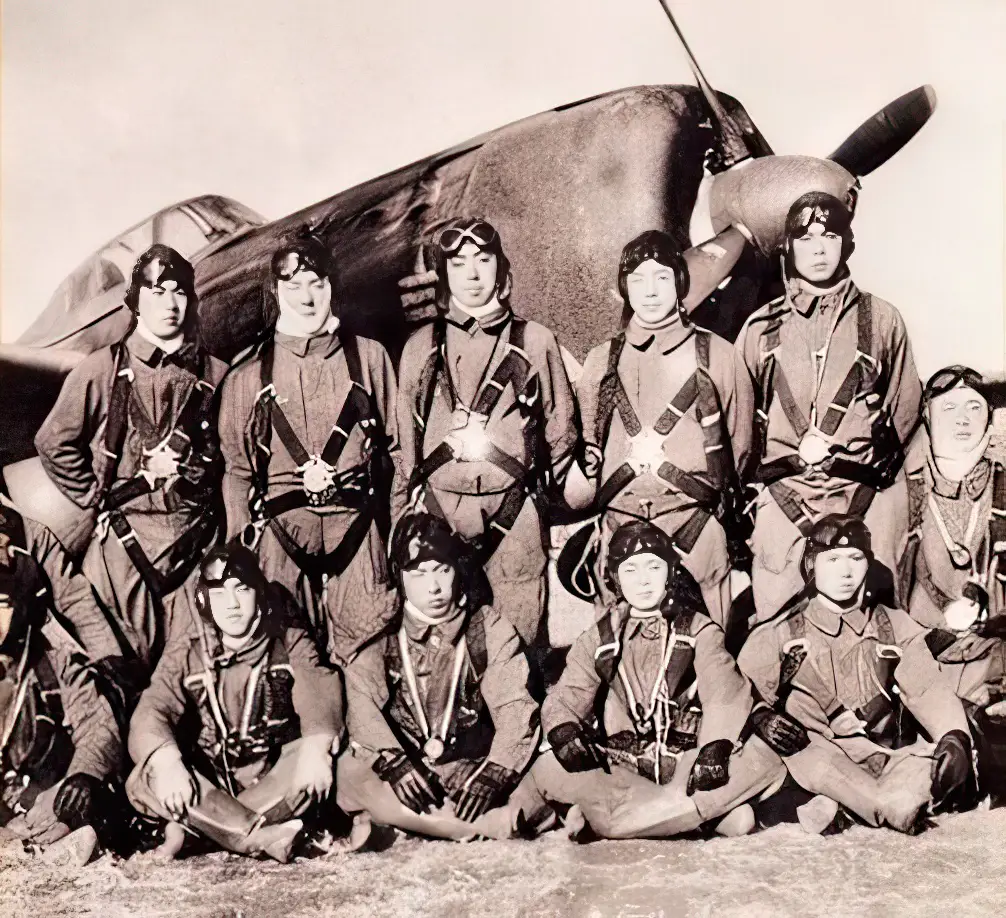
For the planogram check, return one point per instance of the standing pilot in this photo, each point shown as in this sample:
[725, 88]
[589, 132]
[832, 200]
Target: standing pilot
[132, 439]
[838, 392]
[486, 419]
[304, 425]
[667, 412]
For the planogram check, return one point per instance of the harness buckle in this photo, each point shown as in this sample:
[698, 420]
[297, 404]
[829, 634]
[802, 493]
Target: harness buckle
[318, 480]
[646, 451]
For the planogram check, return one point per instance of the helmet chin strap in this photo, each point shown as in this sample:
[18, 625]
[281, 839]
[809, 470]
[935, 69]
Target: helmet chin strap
[292, 323]
[958, 466]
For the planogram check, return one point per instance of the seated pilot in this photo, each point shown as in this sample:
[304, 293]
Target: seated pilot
[441, 724]
[852, 674]
[233, 738]
[60, 747]
[668, 754]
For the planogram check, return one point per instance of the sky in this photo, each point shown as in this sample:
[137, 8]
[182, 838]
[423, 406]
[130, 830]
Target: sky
[113, 109]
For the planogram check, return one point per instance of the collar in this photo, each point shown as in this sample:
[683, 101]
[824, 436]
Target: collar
[251, 652]
[419, 626]
[467, 322]
[324, 344]
[144, 350]
[974, 482]
[668, 338]
[805, 297]
[829, 618]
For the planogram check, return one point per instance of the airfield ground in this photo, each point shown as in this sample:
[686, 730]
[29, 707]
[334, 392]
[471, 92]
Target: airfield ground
[954, 870]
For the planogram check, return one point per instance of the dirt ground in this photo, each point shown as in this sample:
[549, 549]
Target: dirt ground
[956, 869]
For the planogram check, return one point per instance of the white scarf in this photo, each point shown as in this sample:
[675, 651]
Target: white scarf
[958, 467]
[168, 345]
[427, 619]
[483, 314]
[672, 318]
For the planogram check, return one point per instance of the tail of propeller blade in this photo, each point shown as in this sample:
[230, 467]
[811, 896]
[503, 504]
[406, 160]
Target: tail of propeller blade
[878, 138]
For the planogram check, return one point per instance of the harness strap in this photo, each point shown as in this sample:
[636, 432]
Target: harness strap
[612, 397]
[190, 429]
[353, 487]
[839, 405]
[514, 370]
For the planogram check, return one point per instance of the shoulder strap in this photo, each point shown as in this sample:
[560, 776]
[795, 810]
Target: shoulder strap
[885, 630]
[609, 650]
[475, 636]
[351, 348]
[428, 382]
[997, 523]
[118, 411]
[905, 567]
[609, 390]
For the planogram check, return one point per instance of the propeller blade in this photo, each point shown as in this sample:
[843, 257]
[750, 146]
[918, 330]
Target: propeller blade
[878, 138]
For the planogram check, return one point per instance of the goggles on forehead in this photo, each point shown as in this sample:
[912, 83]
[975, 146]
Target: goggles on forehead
[950, 378]
[288, 265]
[452, 238]
[158, 272]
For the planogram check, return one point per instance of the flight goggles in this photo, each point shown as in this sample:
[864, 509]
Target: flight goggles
[950, 378]
[452, 238]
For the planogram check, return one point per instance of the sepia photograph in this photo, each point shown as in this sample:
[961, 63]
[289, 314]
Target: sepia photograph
[542, 458]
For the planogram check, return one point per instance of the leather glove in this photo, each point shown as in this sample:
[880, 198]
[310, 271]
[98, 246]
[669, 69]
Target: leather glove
[951, 765]
[781, 733]
[711, 767]
[939, 640]
[993, 627]
[409, 785]
[74, 804]
[573, 748]
[483, 791]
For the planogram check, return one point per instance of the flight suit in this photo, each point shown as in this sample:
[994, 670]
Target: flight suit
[680, 400]
[454, 372]
[861, 670]
[330, 553]
[841, 362]
[494, 719]
[928, 581]
[164, 530]
[253, 711]
[681, 669]
[55, 723]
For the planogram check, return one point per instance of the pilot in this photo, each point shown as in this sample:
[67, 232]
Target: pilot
[952, 495]
[306, 423]
[68, 594]
[668, 754]
[839, 678]
[441, 724]
[132, 440]
[60, 747]
[667, 411]
[839, 397]
[486, 419]
[233, 738]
